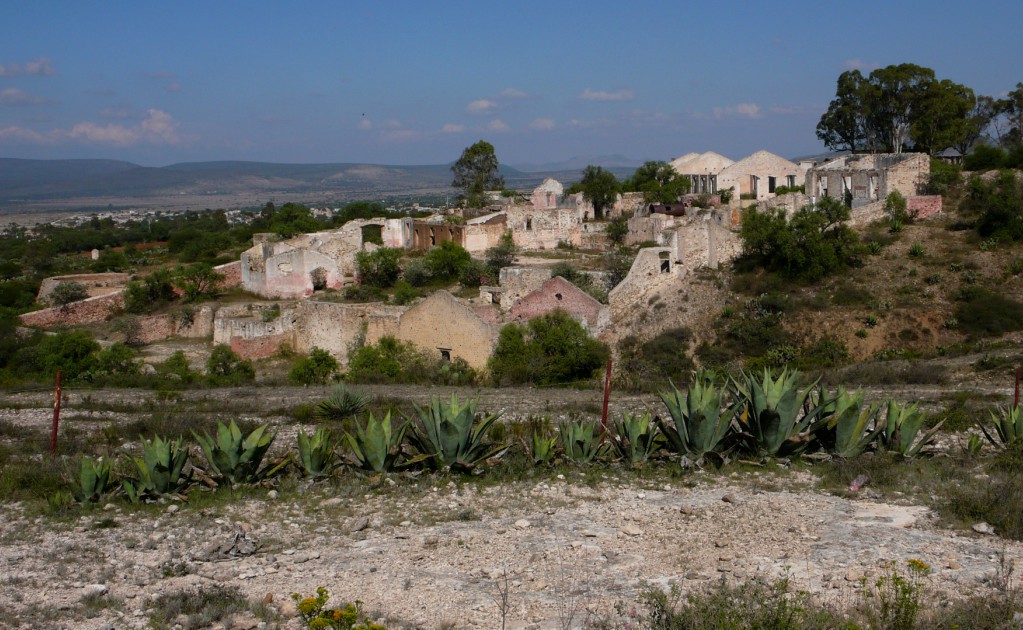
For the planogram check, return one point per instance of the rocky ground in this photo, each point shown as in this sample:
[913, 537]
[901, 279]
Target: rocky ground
[432, 552]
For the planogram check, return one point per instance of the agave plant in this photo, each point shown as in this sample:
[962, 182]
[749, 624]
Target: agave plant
[316, 452]
[236, 458]
[377, 447]
[451, 436]
[342, 403]
[93, 480]
[636, 437]
[161, 469]
[544, 448]
[902, 425]
[582, 442]
[700, 423]
[1008, 427]
[847, 432]
[775, 418]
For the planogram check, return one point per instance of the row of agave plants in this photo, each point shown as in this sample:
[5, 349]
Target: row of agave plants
[764, 415]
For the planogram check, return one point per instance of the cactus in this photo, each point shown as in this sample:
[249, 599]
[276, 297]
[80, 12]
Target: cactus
[377, 447]
[450, 435]
[316, 452]
[545, 447]
[341, 404]
[93, 480]
[160, 469]
[1008, 427]
[700, 424]
[846, 433]
[235, 458]
[901, 427]
[636, 438]
[581, 442]
[770, 415]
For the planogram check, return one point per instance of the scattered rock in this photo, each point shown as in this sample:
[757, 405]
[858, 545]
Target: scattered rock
[272, 495]
[631, 530]
[172, 508]
[331, 502]
[522, 523]
[983, 528]
[358, 524]
[94, 590]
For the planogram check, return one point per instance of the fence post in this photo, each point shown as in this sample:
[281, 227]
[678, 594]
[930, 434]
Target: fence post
[1015, 398]
[607, 396]
[56, 416]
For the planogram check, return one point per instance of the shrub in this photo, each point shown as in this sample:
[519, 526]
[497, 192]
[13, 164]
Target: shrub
[895, 208]
[67, 292]
[404, 293]
[364, 293]
[176, 369]
[501, 255]
[315, 369]
[393, 361]
[117, 360]
[378, 268]
[552, 349]
[474, 274]
[983, 312]
[198, 282]
[224, 367]
[417, 272]
[342, 403]
[446, 260]
[648, 366]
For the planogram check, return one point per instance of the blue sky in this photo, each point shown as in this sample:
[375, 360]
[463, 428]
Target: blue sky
[416, 82]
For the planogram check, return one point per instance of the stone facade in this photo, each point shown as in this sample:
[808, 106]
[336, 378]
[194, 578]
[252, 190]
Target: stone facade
[94, 283]
[702, 169]
[482, 233]
[923, 206]
[515, 284]
[88, 311]
[560, 294]
[532, 228]
[547, 195]
[443, 325]
[427, 234]
[758, 175]
[869, 178]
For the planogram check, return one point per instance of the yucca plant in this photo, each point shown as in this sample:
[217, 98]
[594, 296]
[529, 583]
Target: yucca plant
[901, 428]
[377, 447]
[449, 435]
[581, 441]
[847, 433]
[1008, 428]
[316, 452]
[342, 403]
[161, 470]
[94, 480]
[237, 458]
[544, 448]
[700, 424]
[774, 417]
[636, 437]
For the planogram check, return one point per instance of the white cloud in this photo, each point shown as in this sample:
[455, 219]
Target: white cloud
[858, 64]
[158, 127]
[365, 124]
[173, 87]
[41, 66]
[480, 107]
[589, 124]
[16, 97]
[513, 93]
[742, 110]
[401, 135]
[116, 114]
[600, 95]
[542, 124]
[452, 128]
[498, 125]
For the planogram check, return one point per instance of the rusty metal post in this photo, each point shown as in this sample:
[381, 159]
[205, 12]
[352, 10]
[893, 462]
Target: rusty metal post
[56, 416]
[1015, 398]
[607, 396]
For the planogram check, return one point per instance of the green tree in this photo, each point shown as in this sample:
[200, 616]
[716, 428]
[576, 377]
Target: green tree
[1010, 109]
[616, 230]
[149, 293]
[198, 282]
[659, 182]
[552, 349]
[476, 172]
[67, 292]
[600, 188]
[379, 268]
[446, 260]
[943, 116]
[844, 126]
[814, 243]
[895, 101]
[224, 367]
[291, 219]
[502, 255]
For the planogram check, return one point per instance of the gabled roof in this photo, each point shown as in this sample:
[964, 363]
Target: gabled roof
[702, 164]
[760, 156]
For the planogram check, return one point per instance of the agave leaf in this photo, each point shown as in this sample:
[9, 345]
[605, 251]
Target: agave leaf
[451, 435]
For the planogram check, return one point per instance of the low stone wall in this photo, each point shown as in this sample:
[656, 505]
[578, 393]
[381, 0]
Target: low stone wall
[95, 283]
[232, 273]
[87, 311]
[261, 347]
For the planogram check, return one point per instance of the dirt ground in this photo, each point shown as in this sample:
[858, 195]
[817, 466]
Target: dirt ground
[430, 552]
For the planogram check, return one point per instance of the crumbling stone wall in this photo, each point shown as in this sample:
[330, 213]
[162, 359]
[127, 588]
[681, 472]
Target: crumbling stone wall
[87, 311]
[923, 206]
[560, 294]
[442, 324]
[427, 234]
[653, 267]
[543, 229]
[482, 233]
[337, 327]
[94, 283]
[869, 178]
[154, 328]
[548, 194]
[232, 273]
[754, 174]
[517, 282]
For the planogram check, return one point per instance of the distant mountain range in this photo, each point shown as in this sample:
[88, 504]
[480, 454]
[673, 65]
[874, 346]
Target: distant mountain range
[43, 184]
